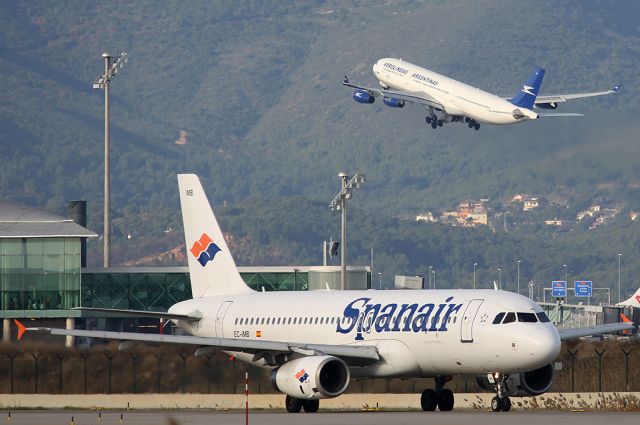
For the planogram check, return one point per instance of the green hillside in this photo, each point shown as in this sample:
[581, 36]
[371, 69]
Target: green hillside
[254, 87]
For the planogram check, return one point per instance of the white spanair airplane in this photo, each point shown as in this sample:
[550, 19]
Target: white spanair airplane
[316, 342]
[454, 101]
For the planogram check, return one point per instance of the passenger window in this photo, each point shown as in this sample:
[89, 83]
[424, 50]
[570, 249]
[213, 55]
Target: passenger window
[527, 318]
[498, 318]
[236, 321]
[542, 317]
[262, 321]
[252, 320]
[316, 321]
[509, 318]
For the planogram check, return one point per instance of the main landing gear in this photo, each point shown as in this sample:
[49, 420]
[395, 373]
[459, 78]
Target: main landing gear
[440, 397]
[501, 401]
[295, 405]
[472, 123]
[434, 121]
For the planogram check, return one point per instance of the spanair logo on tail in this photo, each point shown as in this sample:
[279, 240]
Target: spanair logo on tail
[204, 249]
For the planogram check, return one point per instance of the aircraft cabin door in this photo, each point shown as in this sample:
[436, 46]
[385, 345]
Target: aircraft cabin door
[220, 317]
[469, 316]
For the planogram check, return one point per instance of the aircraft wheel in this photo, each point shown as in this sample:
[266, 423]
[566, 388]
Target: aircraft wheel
[429, 400]
[293, 405]
[505, 404]
[495, 404]
[311, 406]
[466, 119]
[434, 125]
[440, 123]
[477, 126]
[445, 404]
[428, 120]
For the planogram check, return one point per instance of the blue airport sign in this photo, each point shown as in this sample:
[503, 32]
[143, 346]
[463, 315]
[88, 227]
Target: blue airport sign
[559, 288]
[584, 288]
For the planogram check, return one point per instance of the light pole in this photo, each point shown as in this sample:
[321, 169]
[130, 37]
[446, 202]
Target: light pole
[619, 260]
[499, 278]
[380, 280]
[566, 274]
[474, 275]
[339, 202]
[103, 81]
[519, 277]
[434, 279]
[430, 268]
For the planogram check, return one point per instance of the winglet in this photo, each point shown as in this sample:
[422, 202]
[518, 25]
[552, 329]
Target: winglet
[345, 80]
[616, 87]
[21, 329]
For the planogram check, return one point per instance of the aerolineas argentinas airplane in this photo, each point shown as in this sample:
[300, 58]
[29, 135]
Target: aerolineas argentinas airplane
[454, 101]
[315, 342]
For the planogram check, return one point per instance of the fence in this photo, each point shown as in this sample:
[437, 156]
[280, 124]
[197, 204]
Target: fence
[44, 369]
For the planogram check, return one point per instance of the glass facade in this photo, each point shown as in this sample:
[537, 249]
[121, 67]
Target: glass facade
[135, 291]
[39, 273]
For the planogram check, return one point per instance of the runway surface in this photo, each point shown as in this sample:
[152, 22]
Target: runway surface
[61, 417]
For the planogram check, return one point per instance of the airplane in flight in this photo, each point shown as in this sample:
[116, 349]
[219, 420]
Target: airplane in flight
[447, 100]
[315, 342]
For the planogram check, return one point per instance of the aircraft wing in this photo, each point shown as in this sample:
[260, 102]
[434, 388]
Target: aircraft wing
[559, 98]
[566, 334]
[416, 97]
[351, 354]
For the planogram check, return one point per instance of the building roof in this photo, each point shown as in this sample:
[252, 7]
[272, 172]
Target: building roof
[18, 221]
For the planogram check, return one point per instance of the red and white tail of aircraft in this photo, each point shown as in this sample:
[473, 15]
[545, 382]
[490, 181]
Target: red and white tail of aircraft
[634, 301]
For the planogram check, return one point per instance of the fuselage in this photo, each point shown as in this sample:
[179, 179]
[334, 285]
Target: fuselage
[417, 333]
[458, 99]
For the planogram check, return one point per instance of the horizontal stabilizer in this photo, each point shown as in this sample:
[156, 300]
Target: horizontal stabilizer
[112, 312]
[560, 114]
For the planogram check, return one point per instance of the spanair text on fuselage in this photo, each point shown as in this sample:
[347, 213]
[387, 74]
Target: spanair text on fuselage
[417, 333]
[459, 99]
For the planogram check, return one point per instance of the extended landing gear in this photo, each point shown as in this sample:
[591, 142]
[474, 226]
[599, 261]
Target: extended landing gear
[501, 401]
[434, 121]
[440, 397]
[472, 123]
[295, 405]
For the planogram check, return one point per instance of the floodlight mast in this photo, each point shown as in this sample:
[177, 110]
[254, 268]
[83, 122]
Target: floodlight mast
[110, 71]
[339, 202]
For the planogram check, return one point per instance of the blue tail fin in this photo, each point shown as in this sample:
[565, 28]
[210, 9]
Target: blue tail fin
[527, 96]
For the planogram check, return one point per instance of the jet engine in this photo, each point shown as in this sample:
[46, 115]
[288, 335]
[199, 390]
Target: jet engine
[312, 377]
[363, 96]
[524, 384]
[550, 105]
[392, 102]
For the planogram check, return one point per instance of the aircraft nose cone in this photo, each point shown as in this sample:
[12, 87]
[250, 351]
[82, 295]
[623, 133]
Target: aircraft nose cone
[544, 345]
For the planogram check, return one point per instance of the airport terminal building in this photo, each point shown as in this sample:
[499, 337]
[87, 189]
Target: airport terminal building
[43, 276]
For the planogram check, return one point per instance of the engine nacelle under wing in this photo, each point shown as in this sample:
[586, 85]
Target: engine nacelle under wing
[312, 377]
[363, 96]
[550, 105]
[524, 384]
[393, 102]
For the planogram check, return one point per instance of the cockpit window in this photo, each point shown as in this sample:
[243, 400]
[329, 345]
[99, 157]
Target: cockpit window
[509, 318]
[542, 317]
[498, 318]
[527, 317]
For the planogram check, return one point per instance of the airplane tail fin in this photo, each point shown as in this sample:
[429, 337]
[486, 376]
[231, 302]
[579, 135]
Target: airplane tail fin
[634, 301]
[211, 266]
[526, 97]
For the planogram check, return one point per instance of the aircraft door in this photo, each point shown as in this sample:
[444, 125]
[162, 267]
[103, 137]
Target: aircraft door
[220, 318]
[466, 324]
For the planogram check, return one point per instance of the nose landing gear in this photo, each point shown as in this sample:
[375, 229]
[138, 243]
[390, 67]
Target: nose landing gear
[501, 401]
